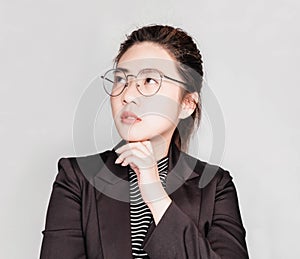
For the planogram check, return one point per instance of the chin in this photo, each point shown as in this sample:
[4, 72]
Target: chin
[134, 137]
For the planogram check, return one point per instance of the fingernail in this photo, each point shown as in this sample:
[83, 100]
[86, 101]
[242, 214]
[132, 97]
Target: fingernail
[118, 160]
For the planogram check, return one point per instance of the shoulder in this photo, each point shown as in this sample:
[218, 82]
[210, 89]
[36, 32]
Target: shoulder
[86, 167]
[217, 188]
[208, 173]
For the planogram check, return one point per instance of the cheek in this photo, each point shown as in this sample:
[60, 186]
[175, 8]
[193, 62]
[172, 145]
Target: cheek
[115, 105]
[162, 106]
[155, 110]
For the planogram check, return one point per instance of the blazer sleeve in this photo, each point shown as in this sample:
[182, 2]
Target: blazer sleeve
[177, 235]
[63, 235]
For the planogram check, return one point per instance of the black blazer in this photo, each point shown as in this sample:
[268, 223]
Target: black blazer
[88, 213]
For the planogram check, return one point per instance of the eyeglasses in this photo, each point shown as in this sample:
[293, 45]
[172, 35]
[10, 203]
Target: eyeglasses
[148, 81]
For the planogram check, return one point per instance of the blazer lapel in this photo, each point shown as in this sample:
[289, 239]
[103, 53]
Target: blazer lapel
[180, 169]
[113, 208]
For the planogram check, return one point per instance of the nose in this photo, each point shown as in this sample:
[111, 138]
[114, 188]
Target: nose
[130, 92]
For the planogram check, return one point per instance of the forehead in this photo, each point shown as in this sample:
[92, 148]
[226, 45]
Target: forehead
[167, 67]
[148, 55]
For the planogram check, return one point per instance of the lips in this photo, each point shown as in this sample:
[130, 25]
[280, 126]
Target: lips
[129, 117]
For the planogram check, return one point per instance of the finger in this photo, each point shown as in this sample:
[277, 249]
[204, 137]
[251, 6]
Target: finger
[136, 170]
[133, 166]
[130, 160]
[132, 145]
[139, 162]
[130, 152]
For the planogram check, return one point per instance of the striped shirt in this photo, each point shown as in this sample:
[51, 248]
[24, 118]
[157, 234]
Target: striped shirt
[140, 214]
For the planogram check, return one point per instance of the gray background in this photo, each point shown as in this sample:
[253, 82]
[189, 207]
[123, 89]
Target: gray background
[51, 50]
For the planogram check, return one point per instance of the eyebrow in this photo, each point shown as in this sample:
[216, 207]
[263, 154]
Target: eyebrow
[123, 69]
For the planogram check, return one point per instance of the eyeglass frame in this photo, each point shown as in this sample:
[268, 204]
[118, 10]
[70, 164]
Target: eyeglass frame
[162, 75]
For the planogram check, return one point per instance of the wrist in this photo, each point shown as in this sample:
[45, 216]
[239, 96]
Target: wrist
[149, 175]
[152, 192]
[159, 207]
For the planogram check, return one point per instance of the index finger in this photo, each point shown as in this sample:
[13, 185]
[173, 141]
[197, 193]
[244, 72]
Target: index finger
[133, 145]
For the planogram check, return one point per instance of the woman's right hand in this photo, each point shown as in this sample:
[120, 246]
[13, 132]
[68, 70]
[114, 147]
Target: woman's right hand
[140, 157]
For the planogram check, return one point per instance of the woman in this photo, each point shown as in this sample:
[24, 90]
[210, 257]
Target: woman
[144, 198]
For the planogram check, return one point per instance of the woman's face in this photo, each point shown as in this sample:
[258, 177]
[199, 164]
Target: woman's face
[138, 117]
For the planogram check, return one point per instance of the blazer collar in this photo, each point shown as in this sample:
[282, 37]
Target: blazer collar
[180, 165]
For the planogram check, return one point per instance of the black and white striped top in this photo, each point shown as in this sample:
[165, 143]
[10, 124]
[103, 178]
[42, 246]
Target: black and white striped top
[140, 215]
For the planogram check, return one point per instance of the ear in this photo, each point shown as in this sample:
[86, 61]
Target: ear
[188, 104]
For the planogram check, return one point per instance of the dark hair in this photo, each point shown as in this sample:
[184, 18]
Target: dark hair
[182, 47]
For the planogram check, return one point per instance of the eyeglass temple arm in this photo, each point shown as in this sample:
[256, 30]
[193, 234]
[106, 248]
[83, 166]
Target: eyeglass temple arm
[107, 79]
[175, 80]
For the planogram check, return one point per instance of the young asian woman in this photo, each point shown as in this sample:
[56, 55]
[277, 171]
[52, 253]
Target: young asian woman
[142, 198]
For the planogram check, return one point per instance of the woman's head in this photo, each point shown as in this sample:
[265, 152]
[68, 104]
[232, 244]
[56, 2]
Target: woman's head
[167, 47]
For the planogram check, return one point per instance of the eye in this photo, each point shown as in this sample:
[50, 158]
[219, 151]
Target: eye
[119, 80]
[151, 81]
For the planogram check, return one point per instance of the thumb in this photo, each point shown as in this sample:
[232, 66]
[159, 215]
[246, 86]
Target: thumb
[135, 168]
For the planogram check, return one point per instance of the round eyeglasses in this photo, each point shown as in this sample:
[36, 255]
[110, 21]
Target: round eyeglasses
[148, 81]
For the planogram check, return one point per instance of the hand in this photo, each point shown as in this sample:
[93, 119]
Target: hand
[140, 157]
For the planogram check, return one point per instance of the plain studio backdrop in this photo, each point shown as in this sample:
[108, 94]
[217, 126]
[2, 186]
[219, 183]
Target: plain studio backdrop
[50, 52]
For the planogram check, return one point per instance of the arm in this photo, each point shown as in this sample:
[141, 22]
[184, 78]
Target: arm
[177, 235]
[63, 236]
